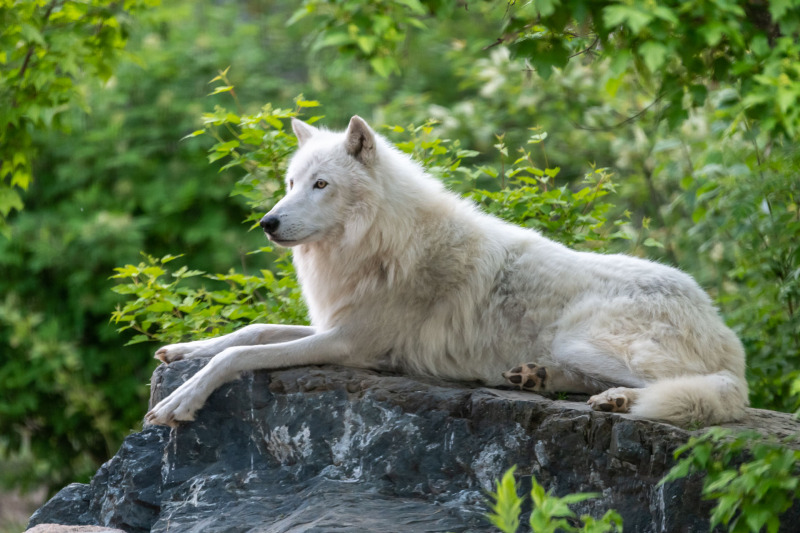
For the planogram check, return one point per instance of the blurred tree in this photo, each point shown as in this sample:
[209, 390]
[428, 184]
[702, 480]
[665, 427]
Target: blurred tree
[47, 49]
[121, 181]
[676, 50]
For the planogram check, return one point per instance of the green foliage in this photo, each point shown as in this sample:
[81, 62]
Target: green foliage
[53, 382]
[534, 199]
[753, 480]
[507, 505]
[46, 48]
[120, 182]
[369, 30]
[759, 212]
[550, 513]
[440, 157]
[181, 311]
[523, 193]
[676, 49]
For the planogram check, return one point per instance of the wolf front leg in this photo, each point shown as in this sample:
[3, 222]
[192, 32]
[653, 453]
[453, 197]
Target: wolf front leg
[251, 335]
[328, 347]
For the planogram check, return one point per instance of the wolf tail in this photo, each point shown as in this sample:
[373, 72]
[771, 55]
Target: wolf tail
[686, 400]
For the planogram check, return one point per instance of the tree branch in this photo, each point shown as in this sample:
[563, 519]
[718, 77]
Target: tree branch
[32, 47]
[618, 124]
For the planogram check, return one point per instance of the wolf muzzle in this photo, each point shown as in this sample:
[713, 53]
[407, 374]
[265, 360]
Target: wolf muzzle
[269, 224]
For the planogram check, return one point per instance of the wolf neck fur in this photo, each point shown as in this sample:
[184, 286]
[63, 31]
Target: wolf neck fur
[381, 244]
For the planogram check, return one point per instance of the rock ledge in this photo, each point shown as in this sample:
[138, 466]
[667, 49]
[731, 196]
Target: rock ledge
[331, 448]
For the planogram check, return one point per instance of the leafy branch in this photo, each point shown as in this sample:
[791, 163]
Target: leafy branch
[550, 513]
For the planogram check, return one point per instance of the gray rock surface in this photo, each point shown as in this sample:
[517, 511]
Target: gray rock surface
[319, 449]
[58, 528]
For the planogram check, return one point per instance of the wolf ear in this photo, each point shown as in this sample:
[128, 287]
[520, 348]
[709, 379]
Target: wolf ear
[360, 142]
[302, 131]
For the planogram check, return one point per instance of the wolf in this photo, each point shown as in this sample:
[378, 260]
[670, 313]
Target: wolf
[400, 273]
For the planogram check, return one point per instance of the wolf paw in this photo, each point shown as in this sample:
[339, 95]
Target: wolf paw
[175, 352]
[180, 406]
[618, 400]
[530, 376]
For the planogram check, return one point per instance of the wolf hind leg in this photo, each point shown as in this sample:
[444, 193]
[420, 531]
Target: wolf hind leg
[694, 400]
[596, 367]
[575, 365]
[685, 400]
[537, 378]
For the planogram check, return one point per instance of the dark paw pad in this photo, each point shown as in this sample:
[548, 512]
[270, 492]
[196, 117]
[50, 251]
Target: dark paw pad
[611, 401]
[530, 377]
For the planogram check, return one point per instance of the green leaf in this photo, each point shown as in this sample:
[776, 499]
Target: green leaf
[221, 89]
[778, 8]
[227, 146]
[537, 138]
[31, 34]
[631, 16]
[538, 494]
[332, 39]
[154, 271]
[579, 497]
[507, 504]
[760, 46]
[713, 32]
[125, 289]
[413, 5]
[721, 481]
[137, 339]
[654, 54]
[169, 257]
[612, 86]
[620, 62]
[9, 200]
[193, 134]
[664, 13]
[300, 14]
[274, 122]
[545, 8]
[159, 307]
[786, 98]
[366, 43]
[383, 65]
[552, 172]
[307, 103]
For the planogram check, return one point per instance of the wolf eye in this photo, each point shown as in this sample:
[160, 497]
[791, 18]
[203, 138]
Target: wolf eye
[291, 184]
[320, 184]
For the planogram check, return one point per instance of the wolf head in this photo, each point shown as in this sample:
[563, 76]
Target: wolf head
[328, 185]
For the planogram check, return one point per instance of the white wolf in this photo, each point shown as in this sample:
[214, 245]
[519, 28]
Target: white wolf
[399, 273]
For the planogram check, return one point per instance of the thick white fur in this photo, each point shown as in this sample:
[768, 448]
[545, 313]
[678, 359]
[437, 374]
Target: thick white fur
[397, 272]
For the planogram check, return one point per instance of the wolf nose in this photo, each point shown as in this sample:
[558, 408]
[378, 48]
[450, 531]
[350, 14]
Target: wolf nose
[269, 223]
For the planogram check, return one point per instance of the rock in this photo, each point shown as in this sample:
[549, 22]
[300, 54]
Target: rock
[71, 503]
[330, 448]
[58, 528]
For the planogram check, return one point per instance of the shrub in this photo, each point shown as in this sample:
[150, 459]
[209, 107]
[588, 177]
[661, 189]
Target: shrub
[550, 513]
[752, 479]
